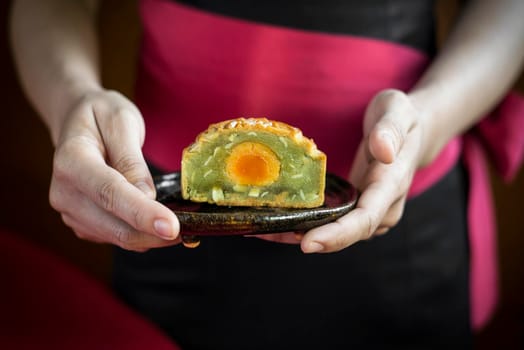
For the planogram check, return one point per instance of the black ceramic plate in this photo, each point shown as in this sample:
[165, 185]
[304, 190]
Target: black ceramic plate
[204, 219]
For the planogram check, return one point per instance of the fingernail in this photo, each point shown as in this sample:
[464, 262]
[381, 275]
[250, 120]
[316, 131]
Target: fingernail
[313, 247]
[146, 189]
[386, 136]
[163, 229]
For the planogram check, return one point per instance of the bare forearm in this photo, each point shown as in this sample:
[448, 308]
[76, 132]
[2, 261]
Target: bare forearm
[477, 65]
[55, 49]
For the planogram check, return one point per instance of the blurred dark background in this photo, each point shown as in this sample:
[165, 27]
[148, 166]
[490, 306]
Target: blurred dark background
[26, 157]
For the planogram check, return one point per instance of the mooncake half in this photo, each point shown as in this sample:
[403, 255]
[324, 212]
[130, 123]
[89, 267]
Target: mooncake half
[254, 162]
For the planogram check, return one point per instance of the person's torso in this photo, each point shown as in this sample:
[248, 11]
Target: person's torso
[314, 65]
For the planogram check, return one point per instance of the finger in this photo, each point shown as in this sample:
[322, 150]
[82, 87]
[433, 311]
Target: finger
[81, 230]
[357, 225]
[286, 238]
[381, 230]
[393, 215]
[394, 118]
[383, 185]
[391, 218]
[359, 167]
[122, 132]
[388, 136]
[94, 224]
[111, 191]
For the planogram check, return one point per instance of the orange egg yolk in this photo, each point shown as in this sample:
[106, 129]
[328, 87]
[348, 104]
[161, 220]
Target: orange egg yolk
[252, 163]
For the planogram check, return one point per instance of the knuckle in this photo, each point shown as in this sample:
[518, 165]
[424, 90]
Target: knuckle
[341, 242]
[130, 166]
[122, 237]
[113, 93]
[129, 116]
[106, 195]
[73, 225]
[124, 112]
[67, 154]
[61, 165]
[59, 168]
[66, 220]
[127, 238]
[88, 99]
[371, 224]
[138, 217]
[55, 199]
[81, 235]
[113, 100]
[394, 215]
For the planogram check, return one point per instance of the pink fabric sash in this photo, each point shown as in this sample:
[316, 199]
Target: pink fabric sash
[501, 136]
[197, 68]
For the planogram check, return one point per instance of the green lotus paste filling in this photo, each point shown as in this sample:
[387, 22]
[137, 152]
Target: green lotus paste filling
[298, 179]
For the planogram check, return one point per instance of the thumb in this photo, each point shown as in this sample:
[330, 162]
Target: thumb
[123, 134]
[394, 120]
[385, 140]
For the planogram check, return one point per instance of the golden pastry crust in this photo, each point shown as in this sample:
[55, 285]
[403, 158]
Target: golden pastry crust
[259, 124]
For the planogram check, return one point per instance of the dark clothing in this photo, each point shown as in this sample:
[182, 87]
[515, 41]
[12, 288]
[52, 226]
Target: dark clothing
[407, 289]
[412, 292]
[407, 22]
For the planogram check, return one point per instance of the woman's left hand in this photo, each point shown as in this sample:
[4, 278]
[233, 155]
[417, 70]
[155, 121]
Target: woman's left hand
[387, 158]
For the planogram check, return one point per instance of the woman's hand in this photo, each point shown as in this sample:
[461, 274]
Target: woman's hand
[389, 154]
[100, 183]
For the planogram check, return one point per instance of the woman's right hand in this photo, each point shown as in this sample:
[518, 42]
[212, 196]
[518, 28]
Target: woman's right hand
[100, 183]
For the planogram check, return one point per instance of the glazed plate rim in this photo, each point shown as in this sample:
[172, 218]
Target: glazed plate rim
[205, 219]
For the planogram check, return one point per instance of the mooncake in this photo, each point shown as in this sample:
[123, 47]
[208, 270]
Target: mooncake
[254, 162]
